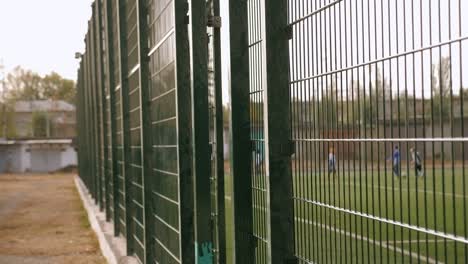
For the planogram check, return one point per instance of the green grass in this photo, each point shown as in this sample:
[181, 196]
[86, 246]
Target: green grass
[436, 202]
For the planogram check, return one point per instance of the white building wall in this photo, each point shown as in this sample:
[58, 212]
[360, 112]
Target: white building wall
[25, 155]
[69, 157]
[15, 158]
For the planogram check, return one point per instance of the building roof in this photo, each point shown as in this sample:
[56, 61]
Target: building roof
[35, 141]
[43, 106]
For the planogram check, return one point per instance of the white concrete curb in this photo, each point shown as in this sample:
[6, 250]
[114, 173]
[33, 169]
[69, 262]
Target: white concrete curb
[112, 248]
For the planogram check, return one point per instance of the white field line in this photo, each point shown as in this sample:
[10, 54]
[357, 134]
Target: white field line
[447, 194]
[378, 243]
[421, 241]
[369, 240]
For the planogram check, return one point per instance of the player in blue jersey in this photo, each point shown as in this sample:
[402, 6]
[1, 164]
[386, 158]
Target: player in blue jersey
[396, 161]
[331, 162]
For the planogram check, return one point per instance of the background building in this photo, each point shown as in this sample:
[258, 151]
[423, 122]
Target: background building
[41, 139]
[44, 119]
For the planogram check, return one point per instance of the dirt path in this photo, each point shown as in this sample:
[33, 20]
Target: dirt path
[42, 221]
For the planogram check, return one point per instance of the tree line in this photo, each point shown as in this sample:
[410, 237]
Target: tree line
[23, 84]
[26, 85]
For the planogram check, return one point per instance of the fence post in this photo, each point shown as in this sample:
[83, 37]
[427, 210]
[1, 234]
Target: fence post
[95, 106]
[200, 123]
[278, 142]
[240, 131]
[88, 168]
[103, 146]
[90, 116]
[219, 136]
[110, 68]
[182, 47]
[96, 101]
[126, 123]
[146, 133]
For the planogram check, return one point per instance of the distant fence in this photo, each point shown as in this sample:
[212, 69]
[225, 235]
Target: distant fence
[347, 130]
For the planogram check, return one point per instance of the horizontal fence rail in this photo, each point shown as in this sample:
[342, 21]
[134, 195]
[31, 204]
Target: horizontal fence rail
[338, 135]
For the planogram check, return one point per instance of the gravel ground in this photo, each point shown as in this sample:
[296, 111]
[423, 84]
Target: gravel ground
[42, 221]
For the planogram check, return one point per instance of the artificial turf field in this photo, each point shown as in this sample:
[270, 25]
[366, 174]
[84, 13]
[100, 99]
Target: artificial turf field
[371, 216]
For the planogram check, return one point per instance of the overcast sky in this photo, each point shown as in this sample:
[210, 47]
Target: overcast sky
[43, 35]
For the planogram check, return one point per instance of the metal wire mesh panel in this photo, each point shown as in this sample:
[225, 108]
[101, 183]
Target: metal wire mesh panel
[107, 113]
[376, 113]
[257, 88]
[119, 195]
[164, 126]
[95, 103]
[134, 112]
[92, 97]
[100, 103]
[377, 102]
[89, 119]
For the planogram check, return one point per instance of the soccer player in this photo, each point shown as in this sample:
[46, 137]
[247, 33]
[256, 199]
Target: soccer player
[417, 161]
[396, 159]
[331, 162]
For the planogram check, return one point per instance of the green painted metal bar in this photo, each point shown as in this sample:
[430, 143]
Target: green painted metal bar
[91, 180]
[146, 131]
[219, 135]
[278, 134]
[82, 131]
[113, 126]
[86, 122]
[126, 123]
[240, 132]
[184, 138]
[200, 123]
[87, 116]
[104, 110]
[95, 108]
[92, 115]
[80, 120]
[101, 89]
[91, 146]
[134, 160]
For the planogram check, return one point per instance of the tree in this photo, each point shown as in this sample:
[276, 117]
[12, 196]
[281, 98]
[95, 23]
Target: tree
[27, 85]
[328, 107]
[56, 87]
[23, 84]
[375, 99]
[7, 120]
[40, 124]
[465, 93]
[441, 89]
